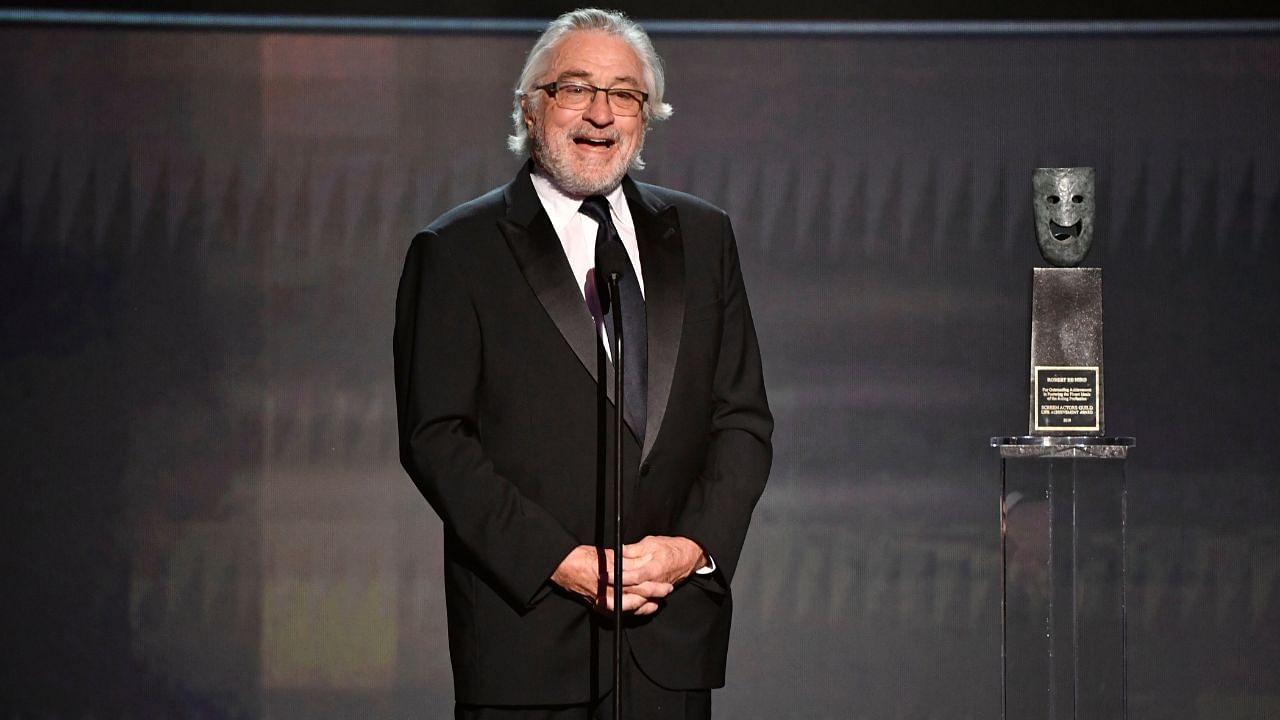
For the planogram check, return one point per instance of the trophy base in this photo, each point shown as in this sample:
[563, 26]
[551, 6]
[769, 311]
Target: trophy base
[1064, 446]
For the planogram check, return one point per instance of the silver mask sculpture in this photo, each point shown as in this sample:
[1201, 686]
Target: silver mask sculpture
[1063, 203]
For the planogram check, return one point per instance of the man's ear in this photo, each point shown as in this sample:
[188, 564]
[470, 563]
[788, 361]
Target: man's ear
[524, 109]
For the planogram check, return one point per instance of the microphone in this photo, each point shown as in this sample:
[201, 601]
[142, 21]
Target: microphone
[611, 258]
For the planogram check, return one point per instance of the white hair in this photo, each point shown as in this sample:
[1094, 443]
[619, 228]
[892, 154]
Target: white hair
[539, 60]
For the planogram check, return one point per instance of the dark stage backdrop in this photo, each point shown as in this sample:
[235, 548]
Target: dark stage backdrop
[200, 236]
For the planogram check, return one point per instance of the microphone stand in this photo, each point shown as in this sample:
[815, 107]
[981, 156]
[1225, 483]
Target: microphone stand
[611, 261]
[618, 429]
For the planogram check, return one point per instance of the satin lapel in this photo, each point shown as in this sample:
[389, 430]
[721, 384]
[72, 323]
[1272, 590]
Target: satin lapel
[538, 252]
[662, 263]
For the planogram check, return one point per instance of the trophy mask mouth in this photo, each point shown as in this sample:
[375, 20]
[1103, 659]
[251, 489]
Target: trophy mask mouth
[1065, 232]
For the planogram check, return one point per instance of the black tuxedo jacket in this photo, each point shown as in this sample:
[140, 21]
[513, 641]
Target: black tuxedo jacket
[495, 364]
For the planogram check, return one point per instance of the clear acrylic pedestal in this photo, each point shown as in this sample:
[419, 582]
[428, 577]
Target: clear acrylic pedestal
[1063, 520]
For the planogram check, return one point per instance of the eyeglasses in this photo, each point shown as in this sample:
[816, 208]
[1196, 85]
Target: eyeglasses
[577, 96]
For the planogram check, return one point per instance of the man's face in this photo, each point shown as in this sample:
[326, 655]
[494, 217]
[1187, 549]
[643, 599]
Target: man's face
[586, 152]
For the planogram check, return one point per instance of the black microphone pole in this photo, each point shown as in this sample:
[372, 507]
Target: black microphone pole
[612, 260]
[617, 493]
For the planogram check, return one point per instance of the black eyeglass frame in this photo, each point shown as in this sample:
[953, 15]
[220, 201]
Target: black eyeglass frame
[552, 88]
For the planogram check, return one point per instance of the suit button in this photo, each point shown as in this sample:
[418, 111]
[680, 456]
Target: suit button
[644, 469]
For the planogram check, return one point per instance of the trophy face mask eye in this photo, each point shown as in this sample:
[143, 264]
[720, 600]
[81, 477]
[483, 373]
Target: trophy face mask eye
[1064, 213]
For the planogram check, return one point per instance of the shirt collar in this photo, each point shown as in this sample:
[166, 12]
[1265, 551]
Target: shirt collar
[562, 208]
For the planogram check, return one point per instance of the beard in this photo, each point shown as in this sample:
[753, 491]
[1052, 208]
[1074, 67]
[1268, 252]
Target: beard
[582, 176]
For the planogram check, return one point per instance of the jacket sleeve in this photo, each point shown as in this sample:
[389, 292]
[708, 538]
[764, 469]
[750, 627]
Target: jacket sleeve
[722, 498]
[516, 543]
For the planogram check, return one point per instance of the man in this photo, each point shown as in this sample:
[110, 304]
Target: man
[496, 362]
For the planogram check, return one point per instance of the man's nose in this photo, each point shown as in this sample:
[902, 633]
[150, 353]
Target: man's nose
[599, 112]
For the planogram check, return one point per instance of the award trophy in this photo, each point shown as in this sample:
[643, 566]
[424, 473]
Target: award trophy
[1063, 494]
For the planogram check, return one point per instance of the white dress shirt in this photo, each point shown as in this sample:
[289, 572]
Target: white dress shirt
[577, 232]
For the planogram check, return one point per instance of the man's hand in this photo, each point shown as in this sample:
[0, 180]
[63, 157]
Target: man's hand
[659, 559]
[580, 574]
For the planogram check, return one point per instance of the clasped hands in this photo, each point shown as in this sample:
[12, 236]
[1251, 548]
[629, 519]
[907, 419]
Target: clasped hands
[651, 569]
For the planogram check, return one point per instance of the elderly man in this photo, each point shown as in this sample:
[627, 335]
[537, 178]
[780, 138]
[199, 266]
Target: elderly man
[496, 340]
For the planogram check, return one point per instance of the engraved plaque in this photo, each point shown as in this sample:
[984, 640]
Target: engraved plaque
[1066, 398]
